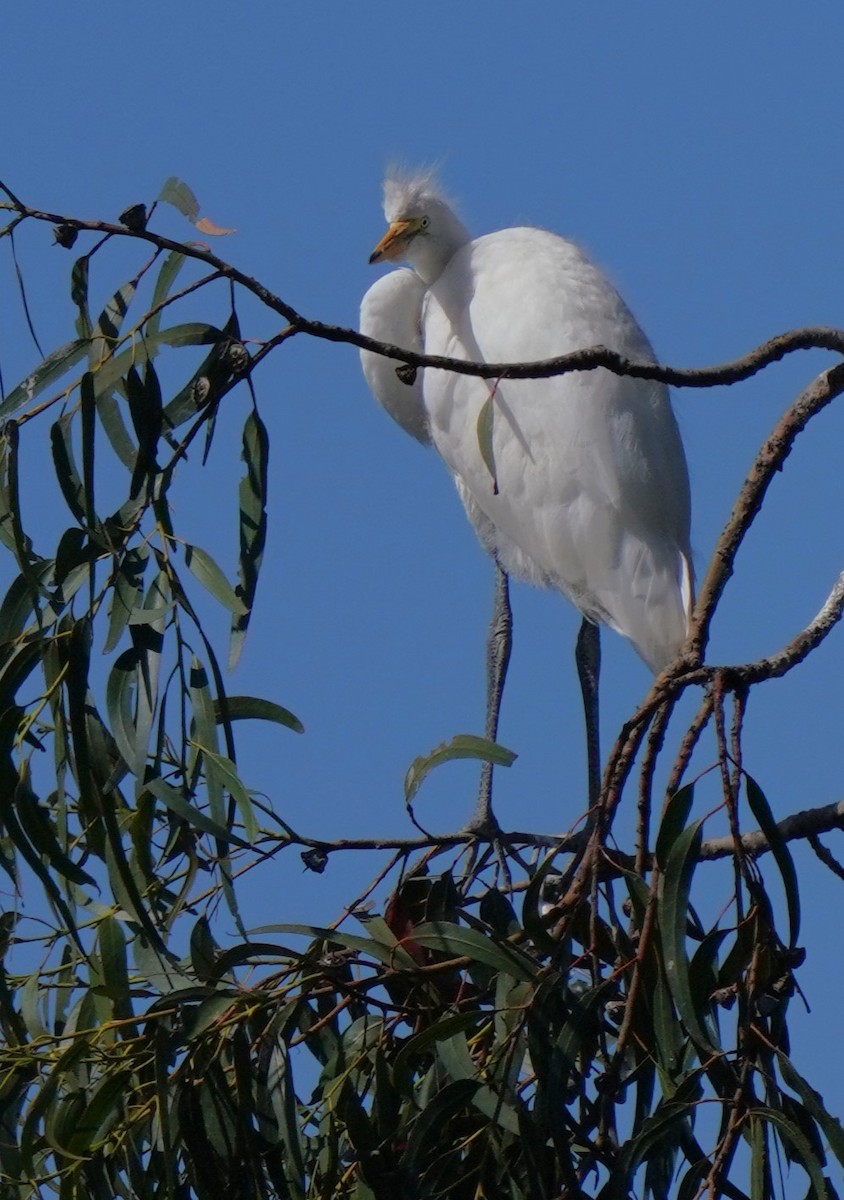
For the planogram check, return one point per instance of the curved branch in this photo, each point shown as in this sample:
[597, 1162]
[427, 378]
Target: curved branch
[768, 462]
[806, 824]
[590, 359]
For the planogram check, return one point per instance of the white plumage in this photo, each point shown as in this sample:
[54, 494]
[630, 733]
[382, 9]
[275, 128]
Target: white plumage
[590, 492]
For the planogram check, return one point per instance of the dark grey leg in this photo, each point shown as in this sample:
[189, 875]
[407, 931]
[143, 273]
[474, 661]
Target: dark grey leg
[499, 644]
[588, 658]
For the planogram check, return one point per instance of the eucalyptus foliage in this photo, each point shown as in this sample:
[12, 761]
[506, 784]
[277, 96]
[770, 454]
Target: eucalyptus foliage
[575, 1024]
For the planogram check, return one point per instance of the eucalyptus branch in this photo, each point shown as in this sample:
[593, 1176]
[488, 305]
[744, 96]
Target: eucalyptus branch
[590, 359]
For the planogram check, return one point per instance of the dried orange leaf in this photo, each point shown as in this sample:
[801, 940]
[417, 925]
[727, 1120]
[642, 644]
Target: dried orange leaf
[206, 226]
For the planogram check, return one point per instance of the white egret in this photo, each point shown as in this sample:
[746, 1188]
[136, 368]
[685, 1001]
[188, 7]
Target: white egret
[577, 482]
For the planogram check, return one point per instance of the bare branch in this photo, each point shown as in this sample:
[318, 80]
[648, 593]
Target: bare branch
[806, 824]
[769, 460]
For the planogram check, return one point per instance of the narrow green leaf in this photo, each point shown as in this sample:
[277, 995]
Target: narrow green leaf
[228, 777]
[813, 1101]
[36, 823]
[126, 589]
[105, 1106]
[801, 1150]
[65, 466]
[111, 419]
[190, 333]
[203, 950]
[87, 405]
[425, 1133]
[145, 409]
[206, 738]
[387, 951]
[176, 801]
[486, 419]
[761, 810]
[106, 334]
[415, 1049]
[456, 941]
[252, 708]
[170, 268]
[464, 745]
[53, 367]
[177, 193]
[112, 945]
[673, 907]
[79, 295]
[252, 496]
[673, 822]
[202, 567]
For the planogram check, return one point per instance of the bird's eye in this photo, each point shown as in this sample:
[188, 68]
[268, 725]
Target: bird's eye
[424, 223]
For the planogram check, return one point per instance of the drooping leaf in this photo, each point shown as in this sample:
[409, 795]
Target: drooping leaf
[486, 418]
[457, 941]
[53, 367]
[831, 1126]
[252, 708]
[126, 589]
[673, 908]
[176, 800]
[761, 810]
[170, 268]
[65, 466]
[464, 745]
[253, 525]
[800, 1149]
[176, 192]
[202, 566]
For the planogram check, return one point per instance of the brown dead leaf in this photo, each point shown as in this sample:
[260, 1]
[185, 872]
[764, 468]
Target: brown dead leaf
[206, 226]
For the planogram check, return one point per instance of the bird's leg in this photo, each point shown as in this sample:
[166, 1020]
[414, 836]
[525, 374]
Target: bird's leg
[588, 658]
[499, 644]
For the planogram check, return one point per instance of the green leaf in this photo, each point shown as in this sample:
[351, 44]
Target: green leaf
[177, 193]
[126, 589]
[486, 418]
[203, 567]
[114, 369]
[203, 950]
[415, 1049]
[453, 1053]
[35, 820]
[67, 475]
[464, 745]
[813, 1101]
[170, 268]
[106, 333]
[252, 496]
[673, 822]
[111, 419]
[208, 382]
[252, 708]
[227, 775]
[105, 1106]
[798, 1144]
[387, 951]
[112, 944]
[426, 1132]
[79, 295]
[87, 405]
[177, 802]
[457, 942]
[205, 738]
[673, 908]
[782, 856]
[53, 367]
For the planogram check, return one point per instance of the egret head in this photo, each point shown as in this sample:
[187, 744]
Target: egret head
[423, 229]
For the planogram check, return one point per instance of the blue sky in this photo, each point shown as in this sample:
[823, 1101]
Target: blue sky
[693, 150]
